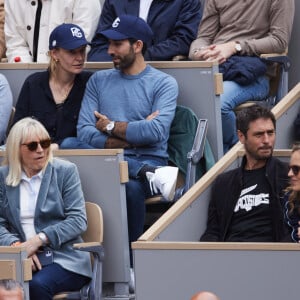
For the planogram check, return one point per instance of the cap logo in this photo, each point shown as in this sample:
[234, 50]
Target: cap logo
[116, 23]
[76, 32]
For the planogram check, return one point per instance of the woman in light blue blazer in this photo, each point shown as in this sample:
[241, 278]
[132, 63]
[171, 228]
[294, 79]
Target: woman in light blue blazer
[42, 208]
[6, 100]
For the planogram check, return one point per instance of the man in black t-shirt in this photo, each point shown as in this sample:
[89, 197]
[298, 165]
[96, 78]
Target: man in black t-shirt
[245, 204]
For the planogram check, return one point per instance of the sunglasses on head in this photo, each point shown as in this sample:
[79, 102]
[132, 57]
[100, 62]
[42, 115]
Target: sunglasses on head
[295, 170]
[32, 146]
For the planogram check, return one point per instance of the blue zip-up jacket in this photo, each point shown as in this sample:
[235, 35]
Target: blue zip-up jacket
[243, 69]
[173, 22]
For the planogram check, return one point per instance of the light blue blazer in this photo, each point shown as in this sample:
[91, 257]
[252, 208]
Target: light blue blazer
[60, 213]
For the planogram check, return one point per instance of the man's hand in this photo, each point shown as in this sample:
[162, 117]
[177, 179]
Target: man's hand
[32, 245]
[216, 52]
[152, 116]
[102, 121]
[35, 263]
[204, 53]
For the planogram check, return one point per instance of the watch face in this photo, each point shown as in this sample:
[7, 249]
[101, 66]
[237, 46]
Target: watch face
[238, 47]
[110, 126]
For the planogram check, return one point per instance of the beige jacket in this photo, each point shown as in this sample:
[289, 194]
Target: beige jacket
[260, 26]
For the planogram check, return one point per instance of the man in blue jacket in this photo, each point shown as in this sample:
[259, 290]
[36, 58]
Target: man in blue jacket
[173, 22]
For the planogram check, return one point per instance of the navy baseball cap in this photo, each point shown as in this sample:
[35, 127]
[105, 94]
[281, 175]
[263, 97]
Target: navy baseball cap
[128, 26]
[67, 36]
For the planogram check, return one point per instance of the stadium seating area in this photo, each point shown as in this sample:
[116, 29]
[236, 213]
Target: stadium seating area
[169, 251]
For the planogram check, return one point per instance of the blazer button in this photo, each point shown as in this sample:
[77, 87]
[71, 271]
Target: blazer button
[33, 3]
[28, 27]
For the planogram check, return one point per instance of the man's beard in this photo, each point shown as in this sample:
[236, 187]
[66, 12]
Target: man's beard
[258, 156]
[126, 61]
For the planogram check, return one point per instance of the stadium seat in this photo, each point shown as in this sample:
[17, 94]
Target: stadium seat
[190, 151]
[14, 265]
[93, 238]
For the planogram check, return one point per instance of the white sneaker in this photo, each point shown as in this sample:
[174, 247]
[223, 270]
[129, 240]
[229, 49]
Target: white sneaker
[163, 181]
[131, 282]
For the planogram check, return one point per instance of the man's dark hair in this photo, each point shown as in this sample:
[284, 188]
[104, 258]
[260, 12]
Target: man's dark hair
[132, 41]
[249, 114]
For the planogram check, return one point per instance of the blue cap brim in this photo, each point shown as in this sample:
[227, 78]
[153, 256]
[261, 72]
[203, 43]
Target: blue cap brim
[74, 45]
[70, 45]
[114, 35]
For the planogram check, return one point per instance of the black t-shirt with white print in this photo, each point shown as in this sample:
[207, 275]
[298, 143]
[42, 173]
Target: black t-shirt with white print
[251, 220]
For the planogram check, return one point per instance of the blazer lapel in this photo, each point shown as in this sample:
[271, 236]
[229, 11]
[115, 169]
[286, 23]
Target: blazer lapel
[13, 198]
[41, 200]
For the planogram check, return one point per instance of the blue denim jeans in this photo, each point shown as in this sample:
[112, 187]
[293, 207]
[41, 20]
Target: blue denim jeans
[234, 95]
[74, 143]
[137, 190]
[53, 279]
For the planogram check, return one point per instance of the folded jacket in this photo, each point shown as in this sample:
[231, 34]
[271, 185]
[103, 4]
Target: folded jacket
[243, 69]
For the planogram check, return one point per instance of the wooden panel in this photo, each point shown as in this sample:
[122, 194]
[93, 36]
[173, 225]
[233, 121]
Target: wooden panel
[196, 82]
[124, 172]
[27, 271]
[8, 269]
[218, 83]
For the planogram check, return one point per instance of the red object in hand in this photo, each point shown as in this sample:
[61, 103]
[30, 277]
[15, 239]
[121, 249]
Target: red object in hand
[17, 59]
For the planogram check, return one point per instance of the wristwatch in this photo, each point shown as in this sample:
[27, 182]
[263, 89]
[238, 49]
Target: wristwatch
[110, 127]
[238, 47]
[43, 238]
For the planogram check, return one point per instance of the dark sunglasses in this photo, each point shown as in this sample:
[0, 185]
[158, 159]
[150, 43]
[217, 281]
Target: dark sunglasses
[32, 146]
[295, 170]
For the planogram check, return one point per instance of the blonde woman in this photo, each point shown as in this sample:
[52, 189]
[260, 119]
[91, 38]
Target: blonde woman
[292, 197]
[42, 208]
[54, 96]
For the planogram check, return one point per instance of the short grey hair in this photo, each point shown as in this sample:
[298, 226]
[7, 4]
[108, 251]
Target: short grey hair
[11, 285]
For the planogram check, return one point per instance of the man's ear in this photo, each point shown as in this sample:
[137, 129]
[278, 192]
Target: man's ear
[241, 137]
[138, 46]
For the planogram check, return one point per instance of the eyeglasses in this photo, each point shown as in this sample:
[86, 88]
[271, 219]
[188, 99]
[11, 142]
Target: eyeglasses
[32, 146]
[295, 170]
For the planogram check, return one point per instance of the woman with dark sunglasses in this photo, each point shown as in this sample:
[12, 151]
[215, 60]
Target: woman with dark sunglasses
[54, 96]
[292, 197]
[42, 209]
